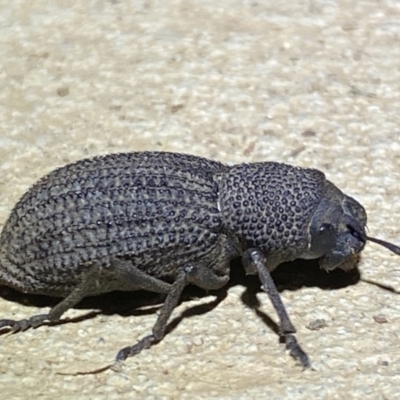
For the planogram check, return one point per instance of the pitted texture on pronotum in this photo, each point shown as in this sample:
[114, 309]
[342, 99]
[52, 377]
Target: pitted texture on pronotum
[270, 204]
[154, 208]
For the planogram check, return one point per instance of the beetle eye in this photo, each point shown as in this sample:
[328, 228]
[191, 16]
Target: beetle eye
[324, 227]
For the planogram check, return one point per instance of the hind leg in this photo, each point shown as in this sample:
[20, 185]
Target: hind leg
[77, 294]
[96, 279]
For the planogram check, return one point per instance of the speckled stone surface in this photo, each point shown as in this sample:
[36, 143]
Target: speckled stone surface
[311, 83]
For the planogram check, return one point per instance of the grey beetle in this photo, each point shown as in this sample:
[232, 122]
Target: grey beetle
[159, 221]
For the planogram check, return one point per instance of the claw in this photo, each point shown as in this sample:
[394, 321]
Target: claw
[296, 351]
[23, 324]
[130, 351]
[4, 323]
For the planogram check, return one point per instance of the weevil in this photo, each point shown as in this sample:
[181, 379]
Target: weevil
[158, 221]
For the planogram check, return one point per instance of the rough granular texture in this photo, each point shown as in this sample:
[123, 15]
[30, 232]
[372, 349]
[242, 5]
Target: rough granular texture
[147, 207]
[270, 205]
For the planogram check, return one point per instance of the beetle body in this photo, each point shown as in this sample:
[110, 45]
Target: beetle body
[155, 209]
[158, 221]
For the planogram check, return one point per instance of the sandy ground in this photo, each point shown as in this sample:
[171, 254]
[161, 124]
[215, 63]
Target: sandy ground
[312, 83]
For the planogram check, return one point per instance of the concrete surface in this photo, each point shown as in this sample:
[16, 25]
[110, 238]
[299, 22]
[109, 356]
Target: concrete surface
[312, 83]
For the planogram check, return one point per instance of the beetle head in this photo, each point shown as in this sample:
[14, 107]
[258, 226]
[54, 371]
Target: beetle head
[337, 230]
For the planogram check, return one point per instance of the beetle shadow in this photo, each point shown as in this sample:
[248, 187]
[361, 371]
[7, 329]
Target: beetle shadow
[293, 276]
[288, 276]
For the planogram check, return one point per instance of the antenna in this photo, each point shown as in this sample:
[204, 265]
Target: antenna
[390, 246]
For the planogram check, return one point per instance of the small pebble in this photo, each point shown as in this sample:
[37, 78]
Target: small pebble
[316, 324]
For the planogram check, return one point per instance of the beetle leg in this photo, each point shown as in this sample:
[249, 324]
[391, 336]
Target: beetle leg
[205, 278]
[160, 326]
[87, 280]
[254, 259]
[123, 275]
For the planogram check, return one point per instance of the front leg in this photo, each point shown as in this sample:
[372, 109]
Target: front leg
[254, 260]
